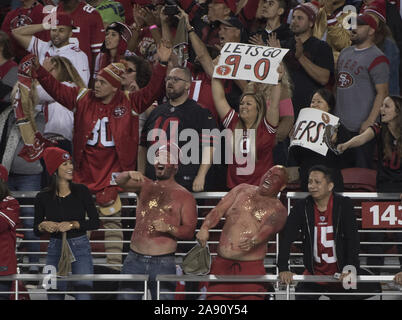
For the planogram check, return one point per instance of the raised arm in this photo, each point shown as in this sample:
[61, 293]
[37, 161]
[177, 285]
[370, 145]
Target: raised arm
[131, 181]
[65, 95]
[218, 93]
[199, 47]
[142, 99]
[24, 34]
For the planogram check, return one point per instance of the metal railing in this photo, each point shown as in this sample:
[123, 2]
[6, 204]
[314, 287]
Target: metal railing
[268, 262]
[77, 277]
[273, 279]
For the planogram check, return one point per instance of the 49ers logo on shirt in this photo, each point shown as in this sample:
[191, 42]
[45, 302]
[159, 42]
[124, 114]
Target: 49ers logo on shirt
[119, 111]
[344, 80]
[19, 21]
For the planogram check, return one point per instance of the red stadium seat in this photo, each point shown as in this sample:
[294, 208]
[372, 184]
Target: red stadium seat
[359, 179]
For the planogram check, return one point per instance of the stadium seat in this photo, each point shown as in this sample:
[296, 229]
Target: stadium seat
[359, 179]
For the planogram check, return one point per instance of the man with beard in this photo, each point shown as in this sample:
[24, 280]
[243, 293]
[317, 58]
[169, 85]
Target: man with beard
[253, 215]
[166, 212]
[362, 85]
[170, 119]
[310, 61]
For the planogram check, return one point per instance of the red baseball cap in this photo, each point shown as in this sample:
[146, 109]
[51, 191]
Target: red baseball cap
[3, 173]
[64, 19]
[366, 19]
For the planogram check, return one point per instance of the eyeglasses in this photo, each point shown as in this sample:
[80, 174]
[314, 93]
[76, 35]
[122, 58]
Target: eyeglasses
[129, 70]
[174, 79]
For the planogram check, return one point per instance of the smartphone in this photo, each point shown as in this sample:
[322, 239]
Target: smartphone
[171, 10]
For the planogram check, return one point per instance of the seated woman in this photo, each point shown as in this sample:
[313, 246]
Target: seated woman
[253, 132]
[302, 159]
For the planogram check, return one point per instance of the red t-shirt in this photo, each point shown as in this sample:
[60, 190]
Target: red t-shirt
[23, 17]
[265, 142]
[89, 33]
[9, 218]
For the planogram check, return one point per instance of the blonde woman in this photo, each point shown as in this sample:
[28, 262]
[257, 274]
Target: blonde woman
[253, 132]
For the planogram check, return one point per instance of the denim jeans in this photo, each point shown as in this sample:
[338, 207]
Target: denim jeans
[81, 250]
[4, 287]
[151, 265]
[19, 182]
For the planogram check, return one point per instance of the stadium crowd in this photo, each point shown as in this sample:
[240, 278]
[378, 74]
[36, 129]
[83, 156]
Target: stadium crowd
[97, 98]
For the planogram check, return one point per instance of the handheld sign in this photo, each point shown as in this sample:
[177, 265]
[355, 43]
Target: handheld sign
[249, 62]
[381, 215]
[308, 131]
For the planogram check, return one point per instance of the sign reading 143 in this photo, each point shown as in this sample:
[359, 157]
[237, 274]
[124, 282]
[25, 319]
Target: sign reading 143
[383, 215]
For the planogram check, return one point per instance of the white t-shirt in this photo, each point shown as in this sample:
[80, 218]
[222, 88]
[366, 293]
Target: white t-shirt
[58, 119]
[77, 57]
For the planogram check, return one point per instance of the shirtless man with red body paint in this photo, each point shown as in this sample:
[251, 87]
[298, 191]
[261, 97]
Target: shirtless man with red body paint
[165, 212]
[253, 215]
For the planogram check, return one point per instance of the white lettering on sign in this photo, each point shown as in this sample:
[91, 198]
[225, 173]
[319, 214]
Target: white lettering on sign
[385, 215]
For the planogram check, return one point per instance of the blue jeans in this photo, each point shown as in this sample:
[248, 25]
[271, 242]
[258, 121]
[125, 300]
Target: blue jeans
[81, 250]
[151, 265]
[19, 182]
[4, 287]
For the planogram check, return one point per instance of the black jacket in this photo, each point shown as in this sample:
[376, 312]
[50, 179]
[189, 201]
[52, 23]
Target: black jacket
[345, 233]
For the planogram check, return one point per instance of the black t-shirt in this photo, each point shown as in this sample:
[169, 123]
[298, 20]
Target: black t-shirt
[74, 207]
[283, 34]
[319, 53]
[173, 120]
[389, 172]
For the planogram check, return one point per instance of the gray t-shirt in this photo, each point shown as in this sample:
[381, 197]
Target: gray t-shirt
[358, 72]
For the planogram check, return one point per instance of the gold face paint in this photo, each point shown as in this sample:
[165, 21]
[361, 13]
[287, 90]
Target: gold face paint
[259, 214]
[152, 204]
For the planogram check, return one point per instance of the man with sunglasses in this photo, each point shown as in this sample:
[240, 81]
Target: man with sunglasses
[174, 116]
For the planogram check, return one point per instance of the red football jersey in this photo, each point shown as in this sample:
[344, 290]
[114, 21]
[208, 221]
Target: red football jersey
[325, 262]
[23, 17]
[89, 33]
[264, 141]
[9, 218]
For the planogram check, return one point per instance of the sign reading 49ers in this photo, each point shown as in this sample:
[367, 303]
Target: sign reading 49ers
[383, 215]
[249, 62]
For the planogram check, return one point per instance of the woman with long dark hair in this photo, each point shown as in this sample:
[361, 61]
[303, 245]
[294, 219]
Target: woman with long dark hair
[389, 165]
[61, 210]
[9, 216]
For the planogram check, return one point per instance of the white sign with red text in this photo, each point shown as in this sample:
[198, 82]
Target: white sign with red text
[249, 62]
[308, 131]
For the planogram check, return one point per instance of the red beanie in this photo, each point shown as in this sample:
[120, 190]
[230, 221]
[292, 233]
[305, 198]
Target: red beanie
[3, 173]
[54, 157]
[113, 73]
[377, 7]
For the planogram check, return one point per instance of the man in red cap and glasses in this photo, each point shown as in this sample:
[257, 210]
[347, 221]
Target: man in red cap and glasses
[106, 131]
[59, 45]
[165, 213]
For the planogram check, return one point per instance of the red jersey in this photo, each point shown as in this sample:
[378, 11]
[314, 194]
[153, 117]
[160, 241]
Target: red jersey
[23, 17]
[325, 262]
[105, 135]
[128, 11]
[9, 218]
[89, 33]
[200, 91]
[263, 145]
